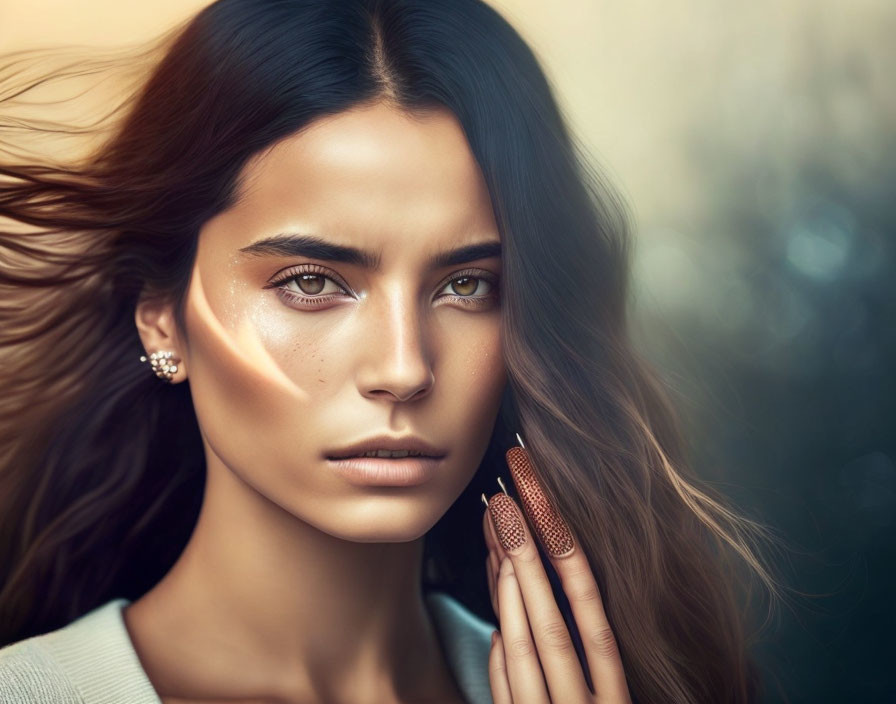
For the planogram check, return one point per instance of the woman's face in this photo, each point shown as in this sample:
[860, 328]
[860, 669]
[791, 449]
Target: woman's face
[293, 352]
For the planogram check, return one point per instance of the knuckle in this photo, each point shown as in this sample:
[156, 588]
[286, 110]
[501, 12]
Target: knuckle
[520, 648]
[586, 593]
[497, 670]
[604, 641]
[577, 569]
[556, 636]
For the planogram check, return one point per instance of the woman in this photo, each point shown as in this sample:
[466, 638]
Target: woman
[354, 226]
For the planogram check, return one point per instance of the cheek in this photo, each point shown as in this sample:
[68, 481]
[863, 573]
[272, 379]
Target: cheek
[251, 383]
[484, 371]
[471, 395]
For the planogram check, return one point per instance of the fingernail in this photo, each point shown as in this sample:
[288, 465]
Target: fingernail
[553, 531]
[507, 521]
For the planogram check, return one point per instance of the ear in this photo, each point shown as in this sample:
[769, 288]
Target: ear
[158, 333]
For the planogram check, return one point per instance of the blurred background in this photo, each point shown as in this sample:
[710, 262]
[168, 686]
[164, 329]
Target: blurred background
[754, 143]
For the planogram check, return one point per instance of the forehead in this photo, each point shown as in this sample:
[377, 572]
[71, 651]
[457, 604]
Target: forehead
[372, 173]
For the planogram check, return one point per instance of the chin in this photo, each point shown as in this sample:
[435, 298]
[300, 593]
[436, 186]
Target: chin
[385, 523]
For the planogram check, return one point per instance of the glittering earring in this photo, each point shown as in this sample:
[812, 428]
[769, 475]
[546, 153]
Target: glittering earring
[164, 364]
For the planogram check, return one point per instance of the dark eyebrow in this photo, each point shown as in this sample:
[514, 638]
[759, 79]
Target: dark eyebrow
[296, 245]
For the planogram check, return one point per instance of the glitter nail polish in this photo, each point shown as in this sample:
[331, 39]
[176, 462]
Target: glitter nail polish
[508, 522]
[553, 531]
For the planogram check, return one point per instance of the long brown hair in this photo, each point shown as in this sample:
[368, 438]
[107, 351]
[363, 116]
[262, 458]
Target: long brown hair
[101, 466]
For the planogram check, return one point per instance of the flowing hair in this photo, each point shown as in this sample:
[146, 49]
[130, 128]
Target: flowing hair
[102, 466]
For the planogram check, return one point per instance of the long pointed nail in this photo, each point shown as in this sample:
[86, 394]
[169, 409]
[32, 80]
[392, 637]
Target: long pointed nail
[508, 522]
[553, 531]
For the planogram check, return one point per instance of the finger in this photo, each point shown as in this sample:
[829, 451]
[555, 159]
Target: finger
[494, 556]
[490, 575]
[598, 639]
[556, 652]
[577, 579]
[497, 672]
[527, 685]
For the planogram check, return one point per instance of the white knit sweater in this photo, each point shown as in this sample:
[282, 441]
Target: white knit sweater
[92, 660]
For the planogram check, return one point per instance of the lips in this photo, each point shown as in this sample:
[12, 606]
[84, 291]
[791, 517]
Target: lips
[389, 447]
[391, 454]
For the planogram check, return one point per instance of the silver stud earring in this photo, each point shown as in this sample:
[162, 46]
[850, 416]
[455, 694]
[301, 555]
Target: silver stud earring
[164, 364]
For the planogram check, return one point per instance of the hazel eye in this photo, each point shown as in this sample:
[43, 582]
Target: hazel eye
[309, 284]
[306, 286]
[474, 288]
[466, 286]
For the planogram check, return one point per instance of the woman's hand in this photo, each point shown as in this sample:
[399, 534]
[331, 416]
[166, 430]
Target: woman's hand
[533, 659]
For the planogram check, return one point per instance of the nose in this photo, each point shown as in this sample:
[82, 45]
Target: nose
[397, 362]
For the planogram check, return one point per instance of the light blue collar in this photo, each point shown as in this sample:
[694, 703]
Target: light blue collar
[97, 654]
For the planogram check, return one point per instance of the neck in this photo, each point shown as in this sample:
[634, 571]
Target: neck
[262, 604]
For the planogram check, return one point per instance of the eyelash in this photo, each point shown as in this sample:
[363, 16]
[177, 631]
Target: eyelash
[295, 273]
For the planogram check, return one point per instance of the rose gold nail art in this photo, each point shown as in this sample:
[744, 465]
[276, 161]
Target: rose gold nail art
[551, 528]
[508, 521]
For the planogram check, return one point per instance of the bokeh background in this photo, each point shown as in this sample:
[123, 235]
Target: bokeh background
[754, 143]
